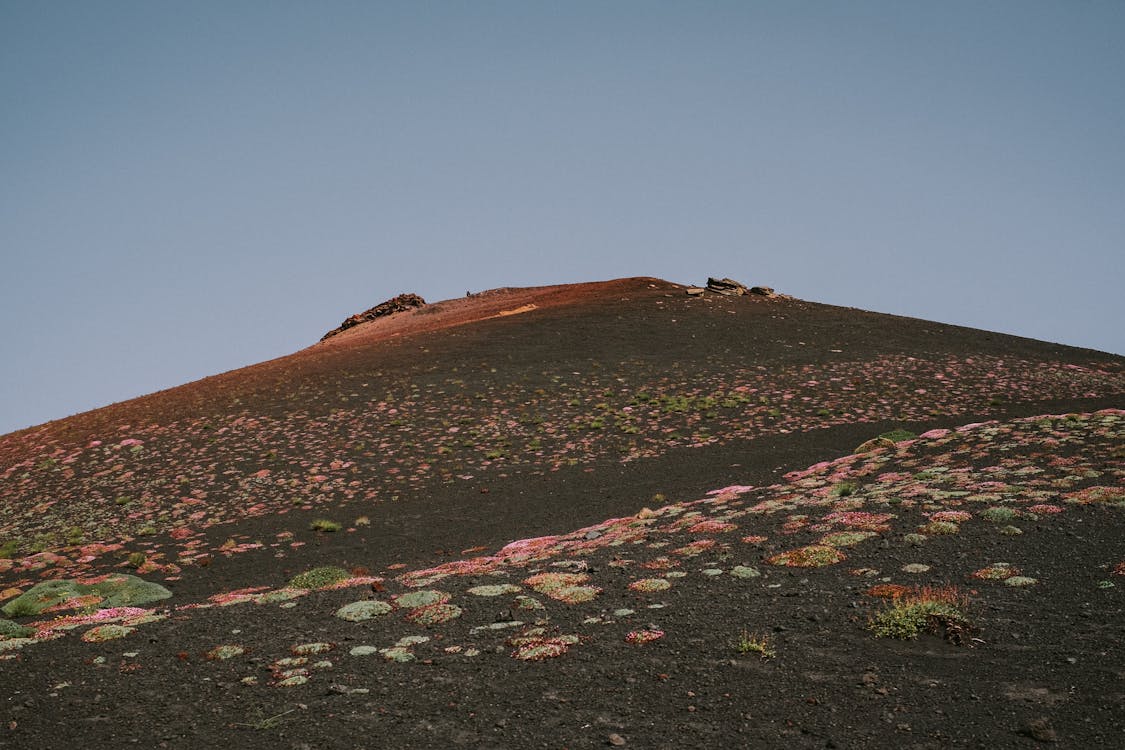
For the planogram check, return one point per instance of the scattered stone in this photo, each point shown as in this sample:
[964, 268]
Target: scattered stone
[1040, 730]
[695, 291]
[743, 571]
[616, 740]
[915, 568]
[763, 291]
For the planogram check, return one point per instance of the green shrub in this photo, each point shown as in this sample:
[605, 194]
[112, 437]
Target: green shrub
[325, 525]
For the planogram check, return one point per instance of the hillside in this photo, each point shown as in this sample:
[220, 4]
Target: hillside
[673, 498]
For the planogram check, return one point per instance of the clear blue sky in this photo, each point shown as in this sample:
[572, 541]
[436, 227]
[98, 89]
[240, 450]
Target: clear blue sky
[187, 188]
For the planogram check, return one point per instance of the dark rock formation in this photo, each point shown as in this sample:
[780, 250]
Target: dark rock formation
[726, 287]
[401, 303]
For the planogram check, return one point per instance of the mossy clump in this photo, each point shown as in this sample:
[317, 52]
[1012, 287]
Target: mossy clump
[498, 589]
[363, 610]
[434, 614]
[118, 590]
[812, 556]
[9, 629]
[744, 572]
[106, 633]
[319, 577]
[997, 572]
[564, 587]
[846, 538]
[898, 435]
[650, 585]
[939, 528]
[540, 648]
[225, 651]
[325, 525]
[998, 514]
[423, 598]
[641, 637]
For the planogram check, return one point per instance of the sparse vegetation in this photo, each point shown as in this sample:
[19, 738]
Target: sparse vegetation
[921, 610]
[753, 643]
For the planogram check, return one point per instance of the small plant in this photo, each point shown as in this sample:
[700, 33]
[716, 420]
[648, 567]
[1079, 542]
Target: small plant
[325, 526]
[9, 549]
[136, 559]
[923, 609]
[262, 722]
[749, 643]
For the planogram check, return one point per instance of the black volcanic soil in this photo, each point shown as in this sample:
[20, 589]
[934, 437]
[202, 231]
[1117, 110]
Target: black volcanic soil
[1046, 667]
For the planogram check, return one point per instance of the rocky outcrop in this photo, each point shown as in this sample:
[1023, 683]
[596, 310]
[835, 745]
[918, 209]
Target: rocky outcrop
[726, 287]
[401, 303]
[729, 288]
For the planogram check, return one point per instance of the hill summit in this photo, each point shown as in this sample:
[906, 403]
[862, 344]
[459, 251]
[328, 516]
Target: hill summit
[747, 519]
